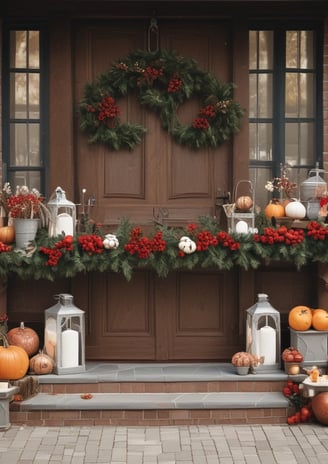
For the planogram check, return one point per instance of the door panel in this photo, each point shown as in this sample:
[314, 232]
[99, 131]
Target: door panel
[158, 174]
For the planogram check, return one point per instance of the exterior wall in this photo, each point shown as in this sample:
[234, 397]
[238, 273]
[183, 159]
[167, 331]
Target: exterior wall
[325, 97]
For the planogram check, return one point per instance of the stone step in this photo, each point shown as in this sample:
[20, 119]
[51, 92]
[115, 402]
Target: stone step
[112, 401]
[155, 394]
[147, 409]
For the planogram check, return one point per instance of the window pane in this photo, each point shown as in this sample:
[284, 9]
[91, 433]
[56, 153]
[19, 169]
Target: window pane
[259, 177]
[18, 56]
[25, 146]
[34, 96]
[299, 143]
[291, 98]
[265, 96]
[307, 54]
[265, 50]
[299, 95]
[307, 95]
[260, 141]
[253, 49]
[34, 50]
[292, 50]
[29, 178]
[18, 97]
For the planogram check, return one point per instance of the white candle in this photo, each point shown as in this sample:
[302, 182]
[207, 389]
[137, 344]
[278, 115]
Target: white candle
[64, 223]
[70, 348]
[241, 227]
[268, 344]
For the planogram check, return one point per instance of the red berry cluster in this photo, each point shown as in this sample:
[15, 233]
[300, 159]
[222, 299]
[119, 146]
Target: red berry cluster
[4, 247]
[316, 231]
[24, 205]
[107, 109]
[91, 243]
[56, 252]
[204, 240]
[226, 240]
[157, 242]
[143, 246]
[175, 84]
[201, 123]
[208, 111]
[280, 235]
[303, 408]
[152, 73]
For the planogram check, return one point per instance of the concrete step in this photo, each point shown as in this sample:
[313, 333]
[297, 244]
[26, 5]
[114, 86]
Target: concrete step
[132, 401]
[155, 394]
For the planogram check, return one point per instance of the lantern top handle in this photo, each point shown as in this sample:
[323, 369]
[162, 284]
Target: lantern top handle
[64, 298]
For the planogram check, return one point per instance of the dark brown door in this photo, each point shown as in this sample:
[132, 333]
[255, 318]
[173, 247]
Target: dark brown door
[186, 316]
[189, 315]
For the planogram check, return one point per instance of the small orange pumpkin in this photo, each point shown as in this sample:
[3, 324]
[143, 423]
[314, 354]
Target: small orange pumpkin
[25, 337]
[300, 318]
[7, 234]
[274, 209]
[320, 319]
[14, 361]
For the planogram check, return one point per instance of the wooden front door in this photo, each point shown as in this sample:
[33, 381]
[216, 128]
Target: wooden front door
[186, 316]
[189, 315]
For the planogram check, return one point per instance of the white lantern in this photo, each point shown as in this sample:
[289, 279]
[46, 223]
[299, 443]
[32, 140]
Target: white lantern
[62, 214]
[263, 332]
[64, 335]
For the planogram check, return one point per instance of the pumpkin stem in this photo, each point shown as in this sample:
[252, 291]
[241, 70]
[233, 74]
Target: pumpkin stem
[22, 326]
[4, 340]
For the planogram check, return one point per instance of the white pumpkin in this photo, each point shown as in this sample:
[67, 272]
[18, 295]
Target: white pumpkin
[295, 210]
[187, 245]
[110, 242]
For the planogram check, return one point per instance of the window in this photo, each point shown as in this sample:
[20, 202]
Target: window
[285, 110]
[24, 121]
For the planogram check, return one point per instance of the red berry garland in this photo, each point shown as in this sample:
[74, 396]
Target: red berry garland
[272, 236]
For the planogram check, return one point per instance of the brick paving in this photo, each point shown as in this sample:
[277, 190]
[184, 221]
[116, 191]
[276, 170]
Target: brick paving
[226, 444]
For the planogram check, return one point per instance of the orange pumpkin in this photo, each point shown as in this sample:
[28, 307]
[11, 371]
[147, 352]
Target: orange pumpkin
[300, 318]
[7, 234]
[14, 361]
[320, 319]
[274, 209]
[25, 337]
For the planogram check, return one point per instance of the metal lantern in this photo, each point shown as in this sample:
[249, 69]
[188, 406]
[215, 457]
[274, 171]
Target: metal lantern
[263, 332]
[64, 335]
[62, 214]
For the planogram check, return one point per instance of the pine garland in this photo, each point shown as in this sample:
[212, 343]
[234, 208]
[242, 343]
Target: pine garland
[54, 257]
[162, 81]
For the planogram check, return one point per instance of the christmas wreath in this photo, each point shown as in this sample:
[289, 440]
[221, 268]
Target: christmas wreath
[162, 81]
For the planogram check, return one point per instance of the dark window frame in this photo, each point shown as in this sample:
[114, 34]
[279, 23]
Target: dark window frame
[278, 139]
[44, 102]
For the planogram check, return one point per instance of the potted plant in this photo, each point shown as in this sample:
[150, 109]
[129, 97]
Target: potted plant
[28, 212]
[245, 362]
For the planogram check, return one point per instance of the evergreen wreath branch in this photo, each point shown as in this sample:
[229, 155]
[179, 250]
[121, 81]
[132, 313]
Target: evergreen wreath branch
[162, 81]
